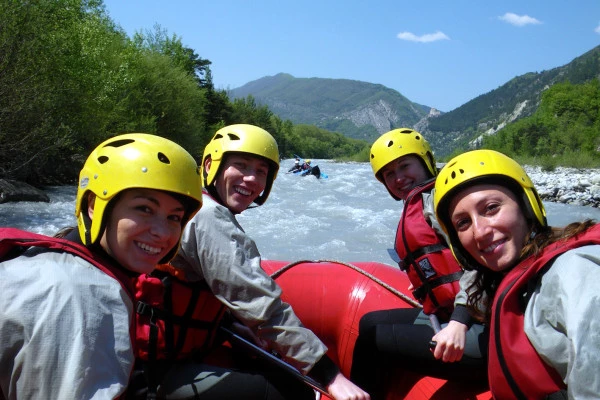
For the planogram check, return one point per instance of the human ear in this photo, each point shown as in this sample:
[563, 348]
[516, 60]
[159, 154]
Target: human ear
[207, 164]
[91, 201]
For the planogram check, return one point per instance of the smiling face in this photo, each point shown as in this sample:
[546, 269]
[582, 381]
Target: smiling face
[402, 174]
[143, 227]
[243, 177]
[490, 225]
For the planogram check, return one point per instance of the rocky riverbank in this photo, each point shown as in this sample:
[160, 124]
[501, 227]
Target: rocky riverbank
[579, 187]
[14, 191]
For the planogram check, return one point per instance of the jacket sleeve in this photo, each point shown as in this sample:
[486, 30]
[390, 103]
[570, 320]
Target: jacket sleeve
[461, 313]
[64, 329]
[562, 320]
[215, 248]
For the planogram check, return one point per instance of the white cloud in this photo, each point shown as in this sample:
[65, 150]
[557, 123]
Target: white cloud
[597, 30]
[429, 37]
[519, 20]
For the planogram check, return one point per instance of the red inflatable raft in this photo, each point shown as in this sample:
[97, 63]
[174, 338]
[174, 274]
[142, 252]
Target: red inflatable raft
[330, 297]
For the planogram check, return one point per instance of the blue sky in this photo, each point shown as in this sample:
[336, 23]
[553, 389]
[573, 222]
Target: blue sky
[436, 53]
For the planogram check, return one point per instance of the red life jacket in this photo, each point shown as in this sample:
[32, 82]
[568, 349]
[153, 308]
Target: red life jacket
[429, 263]
[173, 318]
[515, 368]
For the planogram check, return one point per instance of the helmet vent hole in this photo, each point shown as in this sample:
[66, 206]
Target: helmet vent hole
[372, 156]
[119, 143]
[102, 159]
[390, 143]
[453, 175]
[233, 136]
[163, 158]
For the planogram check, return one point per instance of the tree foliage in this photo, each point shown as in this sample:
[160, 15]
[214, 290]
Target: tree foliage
[566, 123]
[70, 78]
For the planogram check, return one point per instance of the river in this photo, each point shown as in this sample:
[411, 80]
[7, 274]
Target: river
[348, 217]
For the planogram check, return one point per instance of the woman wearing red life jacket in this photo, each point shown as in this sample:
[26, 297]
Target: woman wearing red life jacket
[239, 167]
[403, 161]
[66, 314]
[543, 280]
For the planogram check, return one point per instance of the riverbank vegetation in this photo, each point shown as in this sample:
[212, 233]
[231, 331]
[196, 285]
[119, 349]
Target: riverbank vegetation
[70, 77]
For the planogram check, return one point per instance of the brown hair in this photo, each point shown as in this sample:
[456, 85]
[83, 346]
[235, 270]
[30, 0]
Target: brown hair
[483, 288]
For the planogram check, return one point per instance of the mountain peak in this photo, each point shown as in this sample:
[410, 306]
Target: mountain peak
[356, 109]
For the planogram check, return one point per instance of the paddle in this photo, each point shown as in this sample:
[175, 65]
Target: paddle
[316, 171]
[394, 256]
[265, 355]
[435, 324]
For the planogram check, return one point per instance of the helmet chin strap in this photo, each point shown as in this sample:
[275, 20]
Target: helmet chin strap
[85, 217]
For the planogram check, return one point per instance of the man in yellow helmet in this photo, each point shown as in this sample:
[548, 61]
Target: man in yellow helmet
[239, 166]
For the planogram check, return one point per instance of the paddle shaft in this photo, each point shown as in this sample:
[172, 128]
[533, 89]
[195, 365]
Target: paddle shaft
[435, 324]
[265, 355]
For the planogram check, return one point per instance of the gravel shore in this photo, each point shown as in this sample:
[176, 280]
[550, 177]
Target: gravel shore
[567, 185]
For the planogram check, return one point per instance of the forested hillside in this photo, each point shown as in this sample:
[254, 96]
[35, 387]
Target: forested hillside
[565, 129]
[357, 109]
[520, 97]
[70, 77]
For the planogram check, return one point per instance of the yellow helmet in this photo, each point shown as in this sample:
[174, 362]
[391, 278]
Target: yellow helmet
[135, 160]
[399, 143]
[481, 166]
[308, 162]
[241, 138]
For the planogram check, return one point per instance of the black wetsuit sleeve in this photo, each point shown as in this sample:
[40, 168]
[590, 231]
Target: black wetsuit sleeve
[324, 371]
[461, 314]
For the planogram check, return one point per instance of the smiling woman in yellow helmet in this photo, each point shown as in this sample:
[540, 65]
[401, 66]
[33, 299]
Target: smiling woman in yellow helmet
[543, 281]
[239, 166]
[403, 161]
[65, 320]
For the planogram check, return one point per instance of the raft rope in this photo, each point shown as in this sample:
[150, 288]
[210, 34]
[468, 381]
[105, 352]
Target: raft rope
[398, 293]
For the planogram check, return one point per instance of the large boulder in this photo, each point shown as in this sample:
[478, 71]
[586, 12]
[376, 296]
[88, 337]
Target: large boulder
[13, 191]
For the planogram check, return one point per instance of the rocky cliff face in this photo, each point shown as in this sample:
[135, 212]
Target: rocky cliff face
[384, 117]
[380, 114]
[503, 120]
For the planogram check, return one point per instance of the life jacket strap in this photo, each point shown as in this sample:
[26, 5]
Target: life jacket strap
[421, 291]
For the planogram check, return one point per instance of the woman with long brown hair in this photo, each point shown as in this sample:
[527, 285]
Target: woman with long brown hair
[542, 281]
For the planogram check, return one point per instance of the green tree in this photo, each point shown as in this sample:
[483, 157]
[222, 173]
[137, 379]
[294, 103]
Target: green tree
[51, 63]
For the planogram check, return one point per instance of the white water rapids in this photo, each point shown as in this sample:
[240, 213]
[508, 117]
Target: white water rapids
[348, 217]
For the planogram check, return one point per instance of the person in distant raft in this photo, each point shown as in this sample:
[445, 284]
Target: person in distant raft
[544, 325]
[296, 166]
[306, 165]
[239, 166]
[400, 338]
[67, 303]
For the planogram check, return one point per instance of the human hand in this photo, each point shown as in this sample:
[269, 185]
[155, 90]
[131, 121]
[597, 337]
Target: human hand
[343, 389]
[450, 342]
